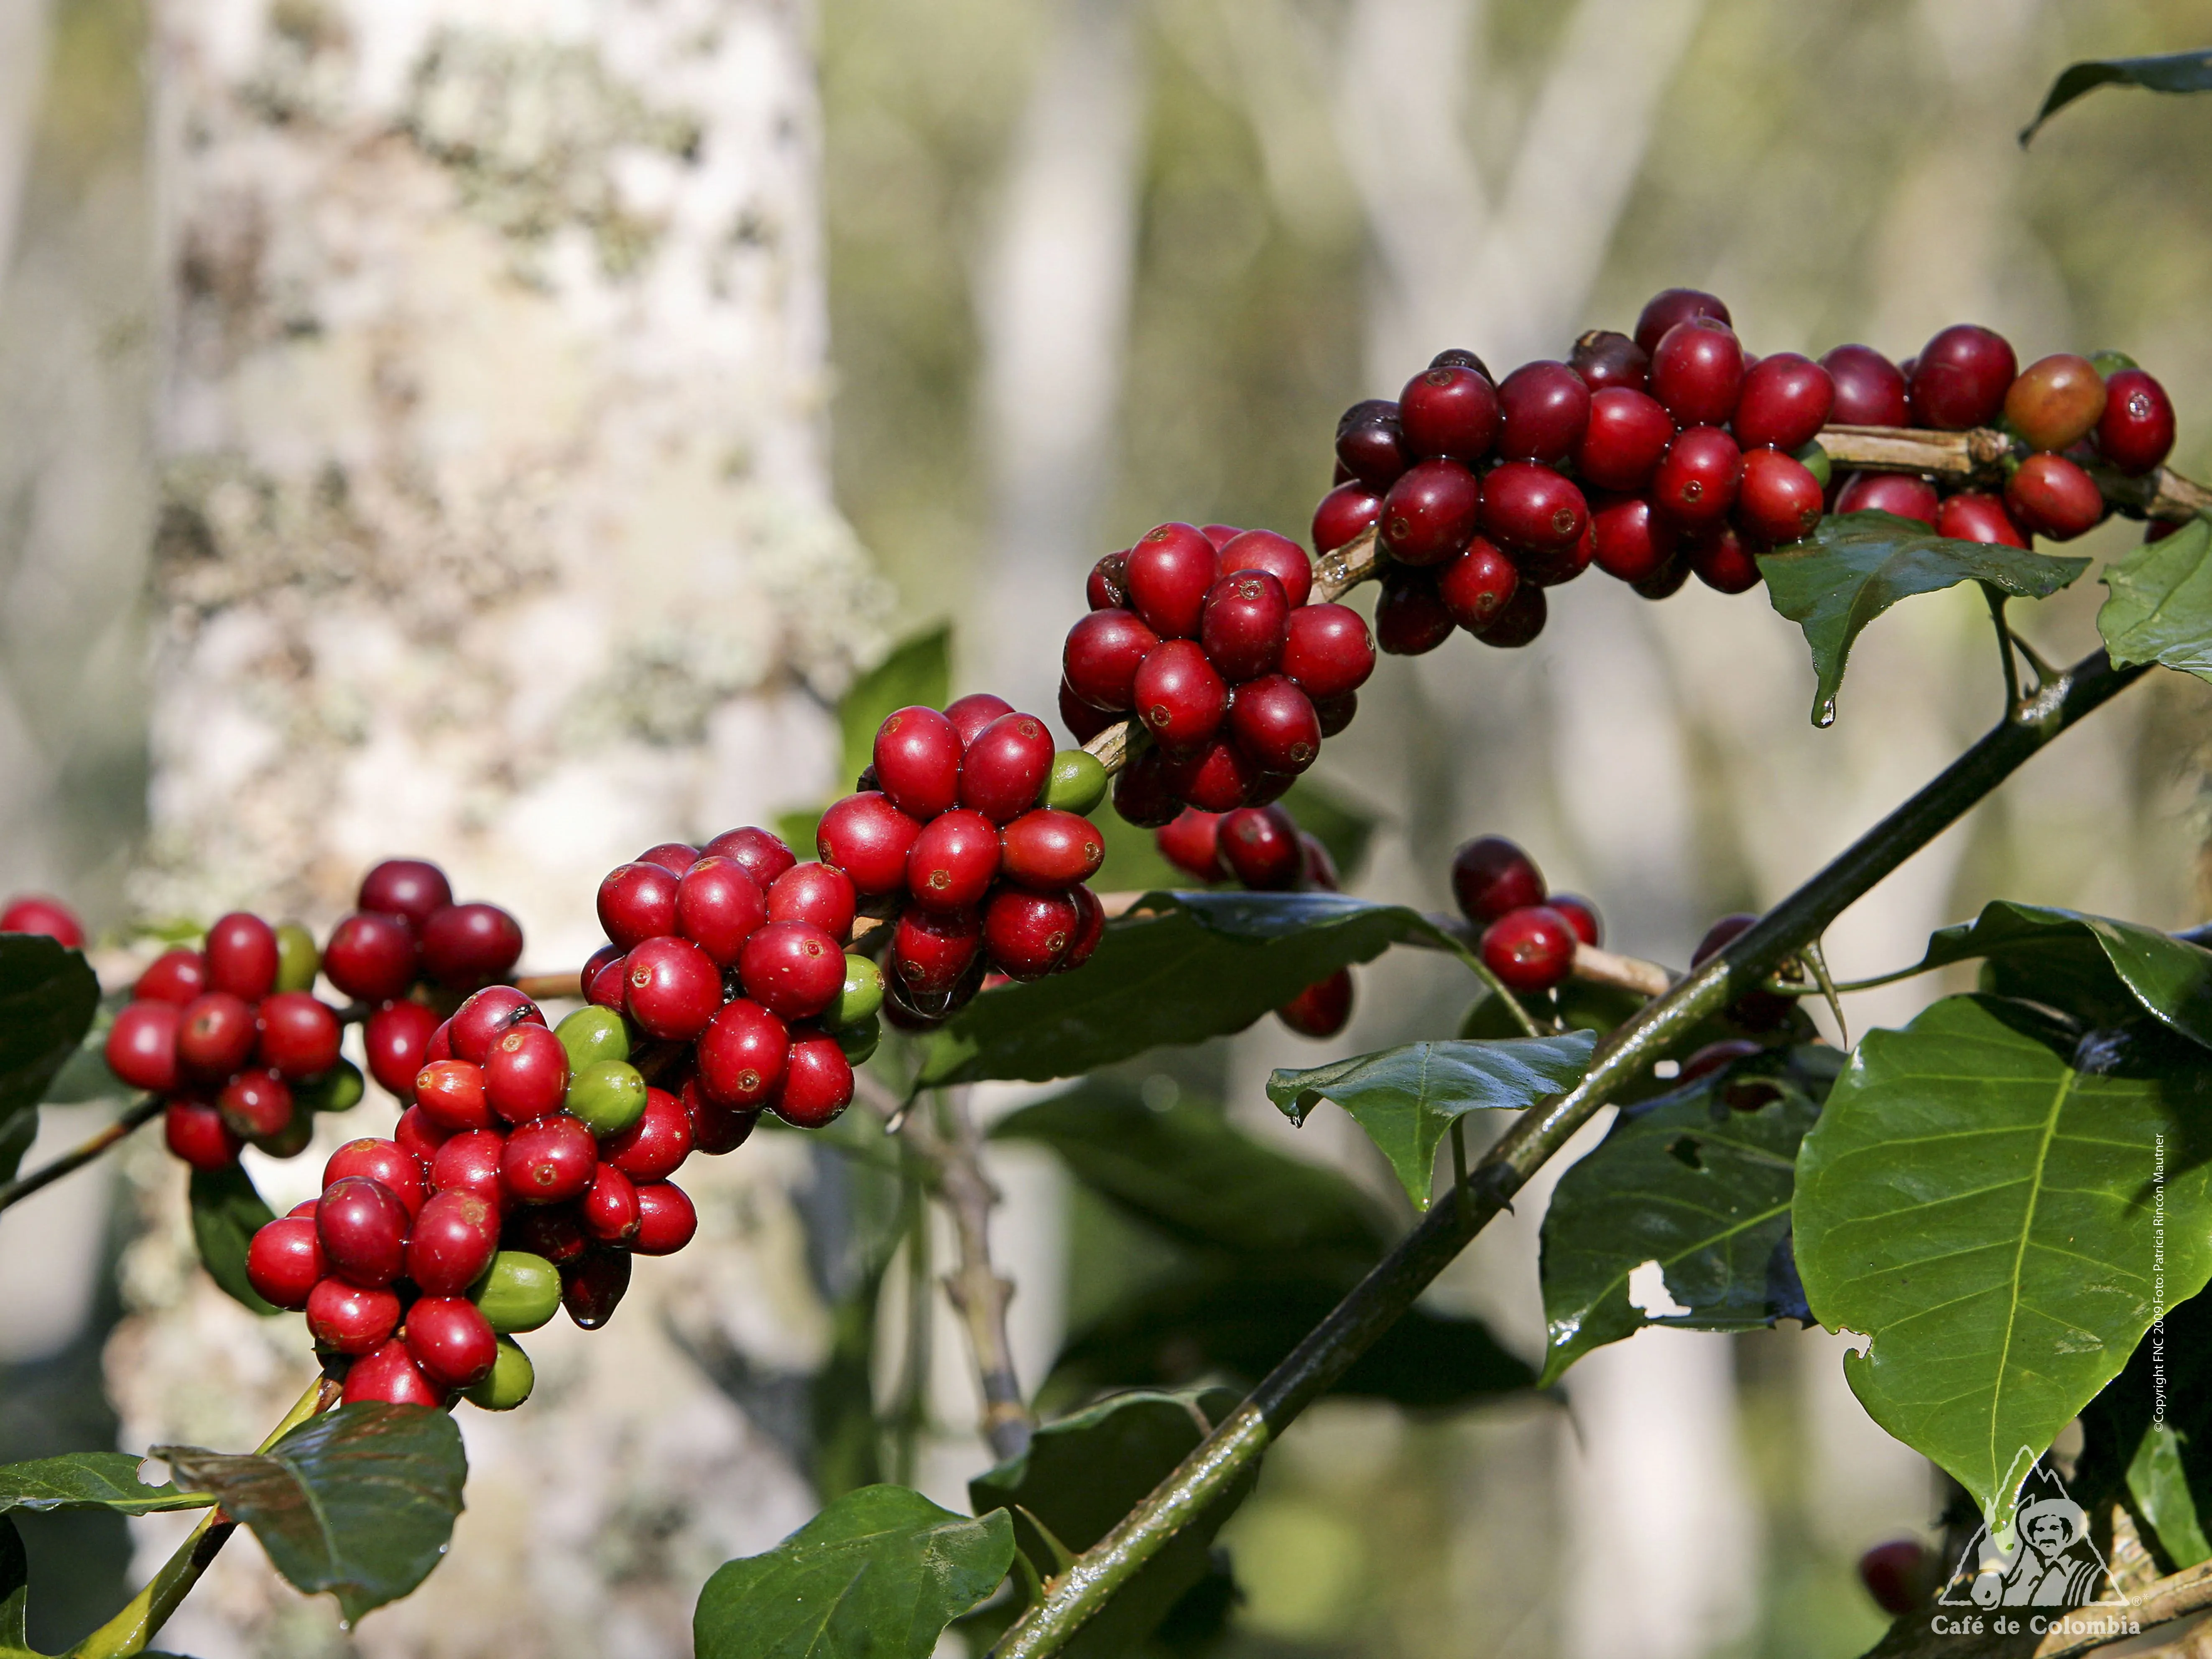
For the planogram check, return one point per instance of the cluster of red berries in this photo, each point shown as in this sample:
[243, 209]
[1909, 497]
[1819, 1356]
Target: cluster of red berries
[1210, 641]
[1675, 452]
[967, 838]
[1528, 933]
[1262, 849]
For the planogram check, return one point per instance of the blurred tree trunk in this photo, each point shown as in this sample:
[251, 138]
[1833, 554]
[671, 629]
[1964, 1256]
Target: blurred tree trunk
[494, 528]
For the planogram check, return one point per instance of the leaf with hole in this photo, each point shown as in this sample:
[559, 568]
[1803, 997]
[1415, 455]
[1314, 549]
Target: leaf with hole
[2173, 71]
[48, 996]
[878, 1575]
[1855, 566]
[226, 1212]
[1981, 1200]
[2158, 606]
[90, 1480]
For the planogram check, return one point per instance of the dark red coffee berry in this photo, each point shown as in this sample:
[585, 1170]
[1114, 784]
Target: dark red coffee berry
[1605, 359]
[1869, 388]
[1899, 493]
[1628, 433]
[592, 1286]
[1191, 844]
[1530, 507]
[1960, 378]
[1543, 408]
[1629, 540]
[917, 760]
[1143, 793]
[1723, 559]
[2050, 495]
[792, 969]
[1368, 444]
[1897, 1575]
[1410, 618]
[1328, 649]
[1215, 777]
[1778, 500]
[1582, 916]
[548, 1162]
[554, 1231]
[1278, 555]
[1322, 1009]
[1430, 512]
[673, 856]
[1260, 845]
[416, 1133]
[763, 855]
[412, 889]
[741, 1059]
[1521, 621]
[350, 1319]
[241, 955]
[362, 1224]
[1275, 723]
[194, 1131]
[284, 1263]
[1784, 403]
[1697, 372]
[1170, 568]
[1550, 567]
[2136, 431]
[930, 952]
[1345, 513]
[1667, 580]
[257, 1105]
[867, 838]
[299, 1035]
[666, 1220]
[451, 1341]
[484, 1018]
[1247, 617]
[215, 1035]
[469, 1163]
[817, 894]
[452, 1242]
[718, 906]
[385, 1162]
[451, 1093]
[1101, 658]
[1491, 876]
[1179, 695]
[655, 1147]
[177, 976]
[1079, 717]
[1973, 517]
[1335, 713]
[1448, 411]
[142, 1045]
[609, 1210]
[1671, 306]
[525, 1076]
[1090, 928]
[971, 713]
[464, 945]
[816, 1086]
[1696, 483]
[370, 957]
[1531, 949]
[637, 901]
[1028, 932]
[1108, 583]
[953, 861]
[1478, 585]
[1007, 767]
[1050, 850]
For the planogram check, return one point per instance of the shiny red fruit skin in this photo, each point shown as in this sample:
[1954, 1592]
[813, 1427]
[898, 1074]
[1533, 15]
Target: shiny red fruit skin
[1026, 933]
[548, 1162]
[1090, 928]
[418, 1133]
[1897, 493]
[1215, 777]
[1410, 618]
[1895, 1574]
[1278, 555]
[1628, 433]
[1491, 876]
[1179, 695]
[1346, 512]
[953, 861]
[486, 1016]
[1078, 716]
[1582, 916]
[716, 1130]
[1521, 621]
[815, 893]
[466, 946]
[215, 1035]
[673, 856]
[412, 889]
[1697, 483]
[2136, 431]
[930, 953]
[1260, 845]
[195, 1132]
[1171, 567]
[1005, 766]
[1960, 378]
[637, 901]
[675, 987]
[592, 1286]
[1869, 389]
[176, 976]
[718, 906]
[1430, 512]
[666, 1220]
[1543, 408]
[554, 1231]
[1478, 585]
[1529, 507]
[917, 760]
[1328, 649]
[1335, 713]
[452, 1242]
[1606, 359]
[389, 1375]
[1105, 587]
[350, 1319]
[1247, 618]
[1102, 654]
[818, 1085]
[370, 957]
[525, 1076]
[1322, 1009]
[1784, 403]
[451, 1341]
[469, 1163]
[1275, 723]
[1143, 793]
[142, 1045]
[1531, 949]
[50, 917]
[1778, 500]
[596, 964]
[1191, 844]
[256, 1104]
[363, 1226]
[1697, 372]
[1370, 446]
[2051, 495]
[451, 1094]
[792, 969]
[1448, 411]
[1219, 535]
[867, 838]
[971, 713]
[762, 853]
[1973, 517]
[383, 1161]
[1050, 850]
[610, 1209]
[741, 1059]
[1723, 559]
[1629, 540]
[241, 955]
[1671, 306]
[299, 1035]
[284, 1263]
[1550, 567]
[654, 1148]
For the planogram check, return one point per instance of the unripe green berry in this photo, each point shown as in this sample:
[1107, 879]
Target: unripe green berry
[592, 1035]
[859, 1042]
[509, 1384]
[1076, 783]
[518, 1292]
[1815, 459]
[338, 1090]
[298, 961]
[607, 1096]
[858, 998]
[2109, 363]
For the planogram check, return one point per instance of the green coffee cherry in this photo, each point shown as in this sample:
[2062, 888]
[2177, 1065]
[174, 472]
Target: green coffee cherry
[2108, 363]
[338, 1090]
[859, 1042]
[858, 998]
[509, 1384]
[298, 961]
[592, 1035]
[607, 1096]
[1815, 459]
[518, 1292]
[1076, 783]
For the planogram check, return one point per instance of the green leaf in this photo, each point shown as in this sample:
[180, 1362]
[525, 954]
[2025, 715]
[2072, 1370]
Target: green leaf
[15, 1592]
[84, 1075]
[1406, 1098]
[918, 671]
[2103, 972]
[1855, 566]
[1181, 968]
[226, 1212]
[2152, 1426]
[90, 1480]
[2159, 608]
[48, 995]
[878, 1575]
[1082, 1474]
[360, 1502]
[1698, 1188]
[2173, 71]
[1979, 1200]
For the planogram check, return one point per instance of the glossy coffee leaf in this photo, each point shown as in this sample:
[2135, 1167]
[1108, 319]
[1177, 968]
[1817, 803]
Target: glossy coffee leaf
[1977, 1199]
[1700, 1188]
[2158, 606]
[1406, 1098]
[48, 995]
[878, 1575]
[2100, 971]
[84, 1075]
[360, 1501]
[2152, 1428]
[2173, 71]
[1855, 566]
[1179, 969]
[918, 671]
[226, 1212]
[90, 1480]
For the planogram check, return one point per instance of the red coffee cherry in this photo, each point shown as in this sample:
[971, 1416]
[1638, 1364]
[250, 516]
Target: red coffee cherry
[792, 969]
[1247, 619]
[1275, 723]
[1760, 1009]
[525, 1076]
[391, 1376]
[1532, 507]
[554, 1231]
[818, 1085]
[142, 1045]
[1531, 949]
[1322, 1009]
[363, 1224]
[485, 1017]
[1090, 928]
[2136, 431]
[592, 1286]
[1778, 500]
[2055, 402]
[1784, 403]
[655, 1147]
[284, 1263]
[609, 1210]
[1491, 876]
[1169, 569]
[1328, 650]
[917, 761]
[1671, 306]
[418, 1135]
[1899, 493]
[410, 888]
[1697, 372]
[1628, 433]
[1521, 621]
[385, 1162]
[1543, 408]
[1260, 845]
[1448, 411]
[1630, 541]
[867, 838]
[1550, 567]
[817, 894]
[1430, 512]
[971, 713]
[673, 856]
[370, 957]
[451, 1341]
[216, 1034]
[299, 1037]
[594, 965]
[953, 862]
[1101, 655]
[33, 914]
[1179, 695]
[1278, 555]
[256, 1105]
[350, 1318]
[452, 1242]
[666, 1220]
[1605, 360]
[1897, 1576]
[714, 1129]
[1220, 535]
[930, 953]
[1478, 585]
[1716, 1056]
[241, 955]
[1335, 713]
[763, 855]
[1973, 517]
[469, 1163]
[1107, 586]
[675, 987]
[1191, 844]
[195, 1132]
[1143, 793]
[1026, 933]
[466, 946]
[637, 901]
[1214, 777]
[451, 1094]
[1345, 512]
[741, 1059]
[1869, 388]
[1722, 559]
[1582, 916]
[1697, 483]
[1050, 850]
[1960, 378]
[718, 906]
[548, 1162]
[177, 976]
[1078, 716]
[1368, 444]
[1410, 618]
[1667, 580]
[2050, 495]
[1006, 766]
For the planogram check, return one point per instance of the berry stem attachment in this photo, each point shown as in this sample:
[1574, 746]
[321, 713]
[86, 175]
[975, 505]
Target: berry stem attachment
[145, 1111]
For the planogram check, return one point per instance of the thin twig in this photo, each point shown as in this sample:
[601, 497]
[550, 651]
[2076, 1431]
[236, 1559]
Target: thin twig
[1997, 597]
[23, 1186]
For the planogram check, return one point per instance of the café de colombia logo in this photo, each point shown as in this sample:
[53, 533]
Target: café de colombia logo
[2052, 1578]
